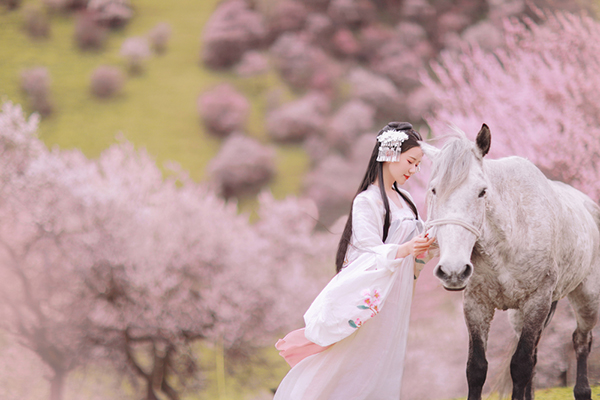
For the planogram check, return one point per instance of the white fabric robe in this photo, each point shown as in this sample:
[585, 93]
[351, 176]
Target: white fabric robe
[365, 363]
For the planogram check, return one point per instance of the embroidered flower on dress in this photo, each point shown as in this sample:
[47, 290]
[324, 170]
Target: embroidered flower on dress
[356, 323]
[371, 301]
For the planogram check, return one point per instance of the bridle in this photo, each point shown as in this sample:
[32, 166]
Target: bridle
[454, 221]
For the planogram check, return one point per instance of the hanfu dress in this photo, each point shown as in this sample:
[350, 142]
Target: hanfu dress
[357, 327]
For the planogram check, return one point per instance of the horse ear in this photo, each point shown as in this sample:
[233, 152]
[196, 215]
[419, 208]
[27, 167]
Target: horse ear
[484, 139]
[429, 150]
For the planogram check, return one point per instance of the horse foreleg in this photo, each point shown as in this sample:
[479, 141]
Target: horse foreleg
[522, 364]
[478, 317]
[530, 389]
[585, 304]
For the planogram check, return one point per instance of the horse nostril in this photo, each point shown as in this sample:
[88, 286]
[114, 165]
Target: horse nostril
[439, 272]
[466, 272]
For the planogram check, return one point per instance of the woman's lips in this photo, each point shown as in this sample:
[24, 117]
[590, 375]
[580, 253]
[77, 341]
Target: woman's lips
[407, 176]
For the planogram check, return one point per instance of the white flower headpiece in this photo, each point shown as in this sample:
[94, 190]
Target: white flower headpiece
[390, 146]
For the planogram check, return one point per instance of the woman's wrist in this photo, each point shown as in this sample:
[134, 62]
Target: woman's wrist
[403, 251]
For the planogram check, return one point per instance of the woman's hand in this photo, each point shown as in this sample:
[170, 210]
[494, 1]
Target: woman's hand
[415, 247]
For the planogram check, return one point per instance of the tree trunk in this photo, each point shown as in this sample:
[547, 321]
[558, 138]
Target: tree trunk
[57, 383]
[150, 395]
[165, 387]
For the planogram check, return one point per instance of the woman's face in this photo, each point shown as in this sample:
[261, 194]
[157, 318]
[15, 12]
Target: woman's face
[403, 169]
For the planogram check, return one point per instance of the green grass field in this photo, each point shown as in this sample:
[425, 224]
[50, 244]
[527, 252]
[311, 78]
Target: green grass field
[156, 110]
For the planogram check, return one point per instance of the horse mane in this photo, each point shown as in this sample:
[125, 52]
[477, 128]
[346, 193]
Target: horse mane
[453, 164]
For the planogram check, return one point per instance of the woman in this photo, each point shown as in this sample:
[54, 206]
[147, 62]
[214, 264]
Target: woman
[354, 342]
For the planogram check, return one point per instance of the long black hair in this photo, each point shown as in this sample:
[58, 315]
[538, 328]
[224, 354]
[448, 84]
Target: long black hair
[375, 172]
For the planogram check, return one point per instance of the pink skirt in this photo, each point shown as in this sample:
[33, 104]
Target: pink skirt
[295, 347]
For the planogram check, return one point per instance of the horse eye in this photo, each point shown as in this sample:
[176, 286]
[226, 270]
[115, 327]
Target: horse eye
[433, 191]
[482, 193]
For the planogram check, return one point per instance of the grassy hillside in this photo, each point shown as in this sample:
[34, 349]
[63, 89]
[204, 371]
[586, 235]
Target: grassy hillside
[157, 110]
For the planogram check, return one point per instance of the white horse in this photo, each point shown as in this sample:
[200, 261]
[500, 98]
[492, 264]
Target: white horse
[512, 239]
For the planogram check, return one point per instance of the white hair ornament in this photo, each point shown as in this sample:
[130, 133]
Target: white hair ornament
[390, 146]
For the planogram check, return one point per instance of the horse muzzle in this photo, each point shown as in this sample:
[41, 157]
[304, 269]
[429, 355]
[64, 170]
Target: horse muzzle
[454, 279]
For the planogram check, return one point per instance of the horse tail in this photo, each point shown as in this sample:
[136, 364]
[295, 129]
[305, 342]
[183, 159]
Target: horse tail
[550, 314]
[503, 384]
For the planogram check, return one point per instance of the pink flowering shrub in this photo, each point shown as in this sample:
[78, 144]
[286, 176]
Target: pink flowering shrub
[252, 63]
[539, 96]
[318, 27]
[242, 166]
[65, 6]
[159, 37]
[351, 13]
[89, 33]
[35, 82]
[350, 121]
[37, 24]
[106, 81]
[299, 119]
[401, 58]
[377, 91]
[332, 185]
[112, 13]
[223, 110]
[303, 65]
[10, 4]
[232, 29]
[136, 52]
[286, 15]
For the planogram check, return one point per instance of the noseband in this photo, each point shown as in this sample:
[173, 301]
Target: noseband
[453, 221]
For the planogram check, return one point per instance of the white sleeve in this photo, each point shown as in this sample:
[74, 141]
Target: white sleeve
[367, 233]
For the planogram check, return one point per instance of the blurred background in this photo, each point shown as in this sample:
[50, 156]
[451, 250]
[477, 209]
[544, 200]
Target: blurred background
[175, 176]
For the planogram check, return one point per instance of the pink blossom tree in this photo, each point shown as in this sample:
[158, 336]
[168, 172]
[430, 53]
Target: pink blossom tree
[195, 269]
[539, 95]
[47, 239]
[108, 259]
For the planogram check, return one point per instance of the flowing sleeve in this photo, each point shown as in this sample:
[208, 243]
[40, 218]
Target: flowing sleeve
[367, 233]
[359, 291]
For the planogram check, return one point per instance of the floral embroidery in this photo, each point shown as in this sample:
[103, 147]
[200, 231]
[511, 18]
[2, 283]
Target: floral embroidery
[418, 268]
[371, 302]
[356, 323]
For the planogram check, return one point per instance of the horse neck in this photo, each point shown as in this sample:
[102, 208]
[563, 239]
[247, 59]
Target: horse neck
[499, 219]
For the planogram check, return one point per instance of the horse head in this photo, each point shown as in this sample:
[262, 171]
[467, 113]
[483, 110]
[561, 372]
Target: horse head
[456, 203]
